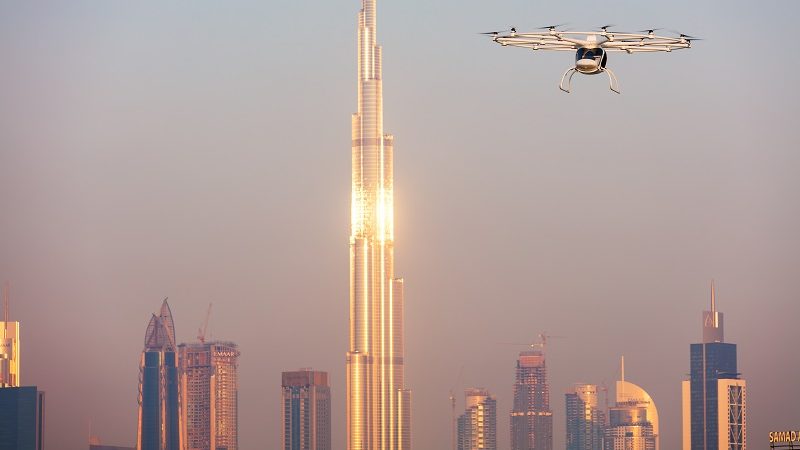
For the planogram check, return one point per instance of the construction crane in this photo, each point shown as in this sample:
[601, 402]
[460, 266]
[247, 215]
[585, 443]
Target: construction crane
[541, 344]
[543, 337]
[201, 332]
[453, 420]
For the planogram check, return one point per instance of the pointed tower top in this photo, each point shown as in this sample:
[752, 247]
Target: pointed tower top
[160, 332]
[622, 367]
[712, 320]
[713, 299]
[166, 319]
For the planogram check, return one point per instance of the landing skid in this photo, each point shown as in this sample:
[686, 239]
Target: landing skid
[613, 83]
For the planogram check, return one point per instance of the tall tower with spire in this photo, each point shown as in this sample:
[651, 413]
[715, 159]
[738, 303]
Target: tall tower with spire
[714, 396]
[378, 405]
[159, 407]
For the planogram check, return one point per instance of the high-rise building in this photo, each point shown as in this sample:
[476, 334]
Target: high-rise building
[378, 405]
[585, 420]
[159, 406]
[477, 427]
[714, 396]
[210, 395]
[21, 418]
[107, 447]
[306, 410]
[9, 348]
[633, 421]
[531, 417]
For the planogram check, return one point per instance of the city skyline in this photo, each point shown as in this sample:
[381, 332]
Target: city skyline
[199, 151]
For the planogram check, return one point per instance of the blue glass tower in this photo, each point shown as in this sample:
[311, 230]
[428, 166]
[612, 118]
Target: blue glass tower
[159, 414]
[713, 383]
[21, 418]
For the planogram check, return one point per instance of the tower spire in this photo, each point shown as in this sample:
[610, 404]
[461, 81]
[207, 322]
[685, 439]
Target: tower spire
[713, 298]
[622, 367]
[5, 310]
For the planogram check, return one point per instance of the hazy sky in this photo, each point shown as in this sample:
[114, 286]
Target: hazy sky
[201, 151]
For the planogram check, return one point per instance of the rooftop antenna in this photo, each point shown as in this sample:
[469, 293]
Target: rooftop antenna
[713, 298]
[5, 310]
[622, 366]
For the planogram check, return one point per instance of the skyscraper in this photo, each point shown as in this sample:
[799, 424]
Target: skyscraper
[21, 418]
[210, 395]
[714, 396]
[306, 410]
[378, 405]
[531, 417]
[633, 421]
[9, 348]
[477, 427]
[159, 408]
[585, 421]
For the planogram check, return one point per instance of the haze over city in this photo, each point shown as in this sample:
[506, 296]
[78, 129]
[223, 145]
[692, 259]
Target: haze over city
[202, 152]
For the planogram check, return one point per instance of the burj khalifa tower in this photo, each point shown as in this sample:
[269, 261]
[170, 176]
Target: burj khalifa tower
[378, 405]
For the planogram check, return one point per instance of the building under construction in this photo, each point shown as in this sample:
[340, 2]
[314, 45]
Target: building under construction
[531, 418]
[209, 395]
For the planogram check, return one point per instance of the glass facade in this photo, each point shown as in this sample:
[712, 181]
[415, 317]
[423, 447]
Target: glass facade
[477, 427]
[585, 421]
[159, 407]
[21, 418]
[306, 410]
[709, 362]
[378, 405]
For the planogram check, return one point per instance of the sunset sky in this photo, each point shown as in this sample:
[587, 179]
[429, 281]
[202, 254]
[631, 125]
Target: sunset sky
[201, 151]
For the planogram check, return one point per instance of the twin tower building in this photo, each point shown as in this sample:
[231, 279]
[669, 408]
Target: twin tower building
[188, 393]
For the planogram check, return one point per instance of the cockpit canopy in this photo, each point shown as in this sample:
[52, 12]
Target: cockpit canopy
[597, 54]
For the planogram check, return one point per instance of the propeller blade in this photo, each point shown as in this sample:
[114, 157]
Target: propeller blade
[685, 36]
[650, 31]
[495, 33]
[606, 27]
[551, 27]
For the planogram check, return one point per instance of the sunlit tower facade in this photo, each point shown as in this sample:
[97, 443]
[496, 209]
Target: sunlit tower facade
[305, 410]
[9, 348]
[585, 420]
[378, 405]
[477, 427]
[159, 405]
[633, 420]
[210, 395]
[531, 417]
[714, 396]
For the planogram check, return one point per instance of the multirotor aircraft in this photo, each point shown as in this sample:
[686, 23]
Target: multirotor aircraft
[592, 47]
